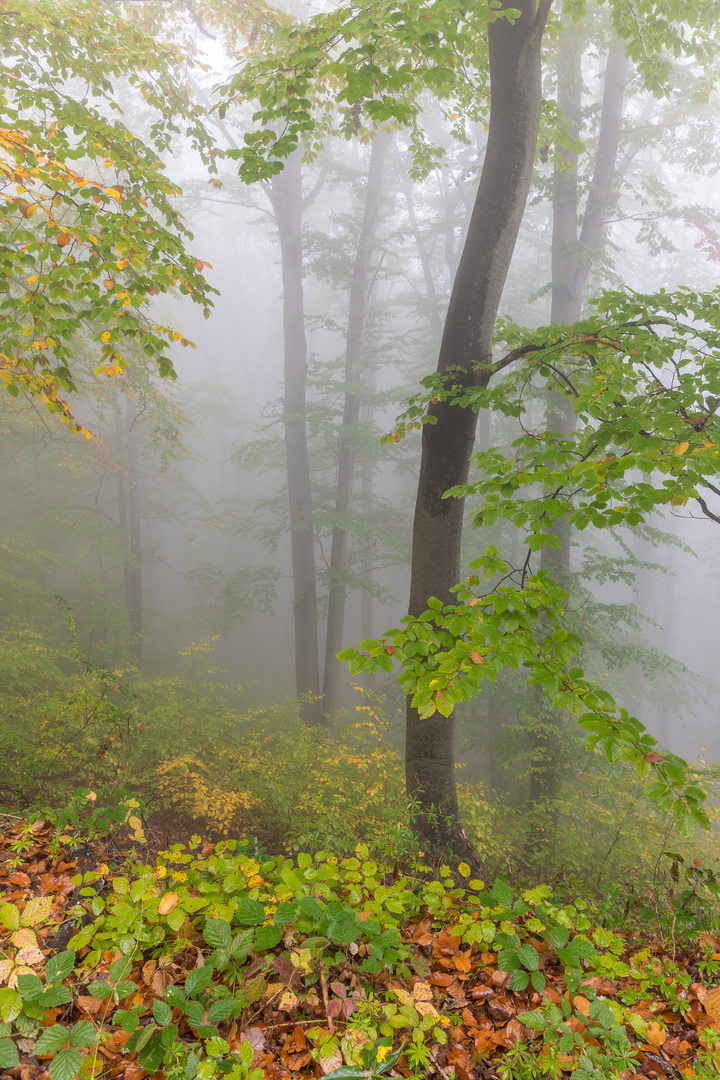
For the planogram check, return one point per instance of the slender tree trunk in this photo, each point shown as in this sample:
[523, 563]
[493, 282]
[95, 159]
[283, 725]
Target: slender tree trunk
[135, 609]
[357, 318]
[287, 202]
[425, 263]
[515, 77]
[572, 258]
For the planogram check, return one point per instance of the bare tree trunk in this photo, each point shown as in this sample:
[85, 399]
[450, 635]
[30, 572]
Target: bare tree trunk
[515, 77]
[572, 258]
[357, 317]
[287, 201]
[135, 609]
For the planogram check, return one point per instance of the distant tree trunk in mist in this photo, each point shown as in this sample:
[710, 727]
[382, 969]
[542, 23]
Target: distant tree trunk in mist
[425, 262]
[134, 579]
[515, 77]
[573, 255]
[287, 201]
[357, 318]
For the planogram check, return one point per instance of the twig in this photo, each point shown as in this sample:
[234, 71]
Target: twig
[323, 986]
[438, 1067]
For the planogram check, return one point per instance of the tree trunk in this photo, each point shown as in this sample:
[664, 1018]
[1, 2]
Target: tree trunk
[515, 79]
[287, 202]
[572, 259]
[357, 317]
[134, 535]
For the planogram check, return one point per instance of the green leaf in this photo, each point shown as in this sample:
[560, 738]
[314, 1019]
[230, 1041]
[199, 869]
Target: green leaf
[267, 937]
[284, 913]
[217, 933]
[119, 969]
[8, 1054]
[151, 1056]
[309, 906]
[528, 957]
[56, 995]
[162, 1013]
[249, 912]
[346, 1072]
[198, 979]
[502, 893]
[59, 966]
[30, 987]
[83, 1035]
[66, 1064]
[559, 937]
[51, 1040]
[221, 1010]
[100, 989]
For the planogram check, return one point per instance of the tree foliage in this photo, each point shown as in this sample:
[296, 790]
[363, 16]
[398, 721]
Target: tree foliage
[88, 227]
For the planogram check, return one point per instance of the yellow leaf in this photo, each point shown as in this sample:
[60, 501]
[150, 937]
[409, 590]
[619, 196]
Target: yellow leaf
[105, 336]
[681, 448]
[24, 937]
[36, 910]
[114, 193]
[169, 900]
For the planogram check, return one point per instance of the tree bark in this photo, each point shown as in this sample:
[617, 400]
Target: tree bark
[357, 318]
[515, 80]
[287, 202]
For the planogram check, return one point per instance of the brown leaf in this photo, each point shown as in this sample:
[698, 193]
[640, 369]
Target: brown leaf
[440, 978]
[332, 1062]
[515, 1032]
[148, 970]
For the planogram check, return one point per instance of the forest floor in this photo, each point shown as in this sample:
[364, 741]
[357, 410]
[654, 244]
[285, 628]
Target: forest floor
[99, 979]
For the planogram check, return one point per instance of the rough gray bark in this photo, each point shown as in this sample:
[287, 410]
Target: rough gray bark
[515, 78]
[287, 202]
[357, 318]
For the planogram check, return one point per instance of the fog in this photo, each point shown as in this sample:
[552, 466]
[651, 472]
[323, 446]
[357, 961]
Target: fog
[201, 460]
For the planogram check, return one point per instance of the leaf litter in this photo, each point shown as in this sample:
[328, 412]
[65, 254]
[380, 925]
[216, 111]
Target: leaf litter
[470, 982]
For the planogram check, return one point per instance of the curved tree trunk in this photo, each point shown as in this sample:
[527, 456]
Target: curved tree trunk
[515, 78]
[357, 317]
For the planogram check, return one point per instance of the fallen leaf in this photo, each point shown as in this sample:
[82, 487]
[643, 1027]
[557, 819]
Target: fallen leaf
[168, 902]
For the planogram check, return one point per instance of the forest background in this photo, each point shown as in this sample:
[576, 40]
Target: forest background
[197, 511]
[303, 310]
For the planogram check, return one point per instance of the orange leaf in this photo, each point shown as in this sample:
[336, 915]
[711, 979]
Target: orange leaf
[712, 1003]
[655, 1035]
[168, 902]
[681, 448]
[62, 239]
[476, 658]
